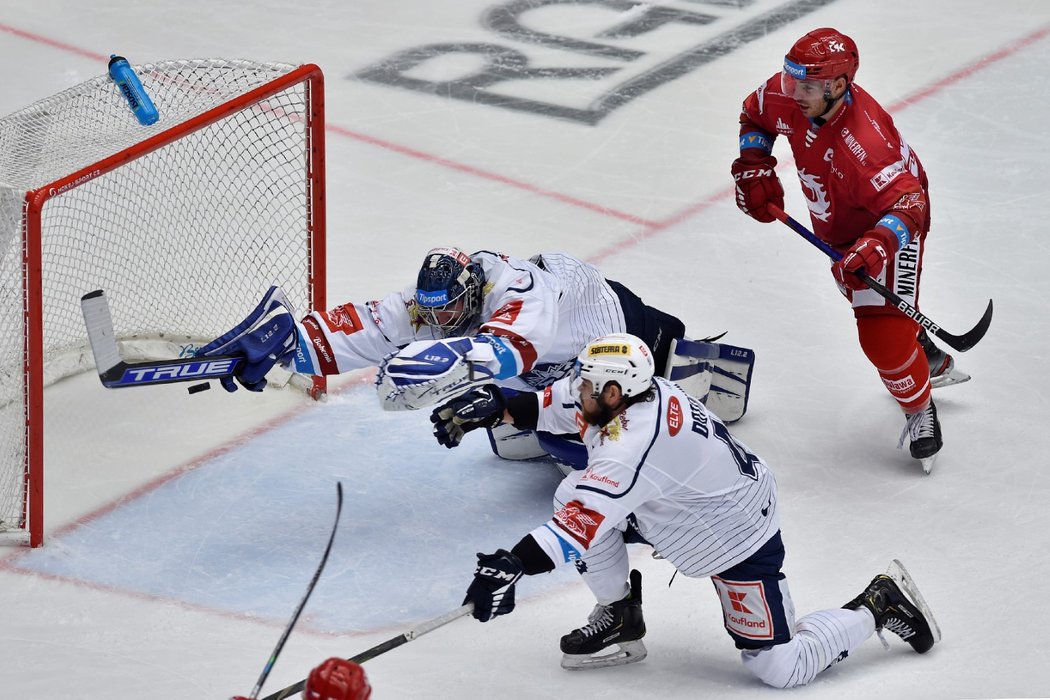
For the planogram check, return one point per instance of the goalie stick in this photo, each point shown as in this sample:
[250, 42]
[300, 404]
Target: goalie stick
[309, 589]
[962, 343]
[393, 643]
[116, 373]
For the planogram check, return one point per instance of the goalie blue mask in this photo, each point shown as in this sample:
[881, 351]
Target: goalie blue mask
[449, 291]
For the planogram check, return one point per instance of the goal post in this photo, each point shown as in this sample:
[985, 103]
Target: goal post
[184, 223]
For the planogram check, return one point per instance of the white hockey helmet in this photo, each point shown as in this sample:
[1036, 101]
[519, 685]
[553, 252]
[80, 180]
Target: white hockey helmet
[617, 357]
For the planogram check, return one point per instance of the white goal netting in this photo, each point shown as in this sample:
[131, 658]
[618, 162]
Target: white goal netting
[184, 235]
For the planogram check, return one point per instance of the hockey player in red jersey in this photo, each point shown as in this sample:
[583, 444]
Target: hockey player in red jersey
[868, 198]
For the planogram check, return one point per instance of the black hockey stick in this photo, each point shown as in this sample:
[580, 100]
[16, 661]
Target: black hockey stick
[394, 643]
[962, 343]
[302, 603]
[116, 373]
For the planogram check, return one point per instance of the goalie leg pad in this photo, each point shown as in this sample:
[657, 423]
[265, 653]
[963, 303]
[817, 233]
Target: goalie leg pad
[512, 443]
[717, 374]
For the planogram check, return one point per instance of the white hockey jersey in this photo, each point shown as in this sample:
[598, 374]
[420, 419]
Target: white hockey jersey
[539, 312]
[669, 467]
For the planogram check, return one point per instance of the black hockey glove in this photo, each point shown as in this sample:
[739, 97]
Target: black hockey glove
[492, 591]
[478, 408]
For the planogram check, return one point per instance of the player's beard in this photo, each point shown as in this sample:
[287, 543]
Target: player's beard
[601, 416]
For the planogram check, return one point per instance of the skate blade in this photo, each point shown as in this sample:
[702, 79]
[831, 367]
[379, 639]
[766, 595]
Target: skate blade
[898, 573]
[628, 653]
[927, 463]
[949, 378]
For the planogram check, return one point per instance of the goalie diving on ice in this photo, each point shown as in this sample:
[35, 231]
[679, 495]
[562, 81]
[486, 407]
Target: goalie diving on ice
[469, 320]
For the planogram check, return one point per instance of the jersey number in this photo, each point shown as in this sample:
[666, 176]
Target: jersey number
[745, 461]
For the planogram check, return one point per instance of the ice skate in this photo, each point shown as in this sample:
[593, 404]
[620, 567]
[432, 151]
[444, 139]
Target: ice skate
[619, 625]
[894, 601]
[924, 431]
[942, 364]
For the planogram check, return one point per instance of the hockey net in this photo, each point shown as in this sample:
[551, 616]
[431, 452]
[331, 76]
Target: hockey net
[184, 224]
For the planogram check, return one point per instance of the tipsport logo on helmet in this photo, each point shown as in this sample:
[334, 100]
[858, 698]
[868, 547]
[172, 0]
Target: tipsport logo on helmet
[795, 70]
[596, 350]
[438, 298]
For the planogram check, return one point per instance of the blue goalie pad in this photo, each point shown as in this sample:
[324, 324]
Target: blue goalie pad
[717, 374]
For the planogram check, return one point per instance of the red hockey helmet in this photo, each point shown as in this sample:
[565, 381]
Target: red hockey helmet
[823, 54]
[337, 679]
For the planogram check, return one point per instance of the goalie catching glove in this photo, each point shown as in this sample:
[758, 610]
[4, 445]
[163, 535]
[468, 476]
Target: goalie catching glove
[478, 408]
[267, 337]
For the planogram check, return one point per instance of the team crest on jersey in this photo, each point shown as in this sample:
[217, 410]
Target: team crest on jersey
[783, 127]
[508, 313]
[413, 314]
[674, 416]
[579, 522]
[613, 429]
[816, 197]
[342, 319]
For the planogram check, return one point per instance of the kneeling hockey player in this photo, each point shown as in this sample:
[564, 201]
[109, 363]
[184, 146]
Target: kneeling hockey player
[665, 471]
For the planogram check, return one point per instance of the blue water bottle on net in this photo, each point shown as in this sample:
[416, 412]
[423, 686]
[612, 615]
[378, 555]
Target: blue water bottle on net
[131, 87]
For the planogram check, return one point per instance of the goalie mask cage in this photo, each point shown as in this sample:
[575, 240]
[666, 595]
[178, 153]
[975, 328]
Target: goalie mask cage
[184, 224]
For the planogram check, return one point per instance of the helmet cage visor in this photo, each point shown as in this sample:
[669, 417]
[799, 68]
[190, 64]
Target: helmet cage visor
[445, 313]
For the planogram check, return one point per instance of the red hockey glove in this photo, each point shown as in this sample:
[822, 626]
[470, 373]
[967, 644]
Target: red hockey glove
[868, 254]
[337, 679]
[757, 184]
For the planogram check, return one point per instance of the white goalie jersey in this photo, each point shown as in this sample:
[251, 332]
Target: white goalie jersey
[536, 315]
[670, 468]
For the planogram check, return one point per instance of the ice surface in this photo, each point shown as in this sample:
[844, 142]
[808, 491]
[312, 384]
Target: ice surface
[180, 539]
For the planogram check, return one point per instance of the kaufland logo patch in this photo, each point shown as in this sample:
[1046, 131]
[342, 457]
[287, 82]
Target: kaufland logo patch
[745, 608]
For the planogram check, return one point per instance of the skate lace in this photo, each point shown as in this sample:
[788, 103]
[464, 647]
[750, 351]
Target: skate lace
[599, 620]
[900, 628]
[917, 426]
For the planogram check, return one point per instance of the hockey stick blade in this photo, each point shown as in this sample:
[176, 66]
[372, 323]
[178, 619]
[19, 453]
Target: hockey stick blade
[393, 643]
[962, 343]
[116, 373]
[302, 603]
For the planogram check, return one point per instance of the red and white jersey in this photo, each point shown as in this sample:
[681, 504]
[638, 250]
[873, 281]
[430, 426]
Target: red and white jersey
[853, 169]
[539, 314]
[692, 490]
